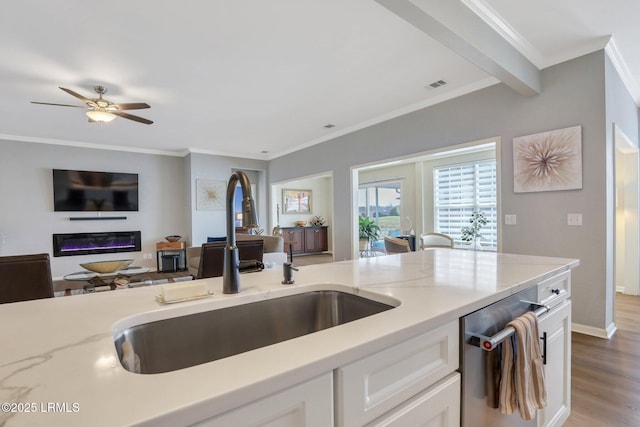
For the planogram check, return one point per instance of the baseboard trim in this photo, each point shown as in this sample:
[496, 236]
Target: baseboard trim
[595, 332]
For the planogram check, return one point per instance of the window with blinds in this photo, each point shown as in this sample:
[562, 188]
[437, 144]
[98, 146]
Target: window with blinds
[461, 189]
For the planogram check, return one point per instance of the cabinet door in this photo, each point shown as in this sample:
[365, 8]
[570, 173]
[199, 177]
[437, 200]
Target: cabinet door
[294, 237]
[315, 239]
[557, 371]
[309, 404]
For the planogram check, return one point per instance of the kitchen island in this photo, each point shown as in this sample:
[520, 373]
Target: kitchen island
[59, 364]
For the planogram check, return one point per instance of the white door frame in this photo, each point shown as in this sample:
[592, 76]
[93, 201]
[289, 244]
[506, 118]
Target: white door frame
[627, 207]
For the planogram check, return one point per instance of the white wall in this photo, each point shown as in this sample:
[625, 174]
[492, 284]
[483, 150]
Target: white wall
[27, 219]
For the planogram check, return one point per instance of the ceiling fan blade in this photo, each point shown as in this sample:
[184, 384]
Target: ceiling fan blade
[132, 117]
[77, 95]
[59, 105]
[131, 106]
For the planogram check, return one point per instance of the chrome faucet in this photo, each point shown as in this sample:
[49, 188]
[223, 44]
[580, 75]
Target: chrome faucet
[230, 271]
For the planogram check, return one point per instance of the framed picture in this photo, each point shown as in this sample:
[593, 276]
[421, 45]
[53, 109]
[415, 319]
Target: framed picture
[210, 195]
[548, 161]
[296, 201]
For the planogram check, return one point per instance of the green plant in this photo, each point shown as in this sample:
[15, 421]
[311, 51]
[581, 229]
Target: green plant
[471, 233]
[368, 229]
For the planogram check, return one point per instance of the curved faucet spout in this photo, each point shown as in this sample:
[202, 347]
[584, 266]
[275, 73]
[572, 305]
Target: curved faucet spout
[231, 274]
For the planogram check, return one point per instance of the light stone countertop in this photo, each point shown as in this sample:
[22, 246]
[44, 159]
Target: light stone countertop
[61, 350]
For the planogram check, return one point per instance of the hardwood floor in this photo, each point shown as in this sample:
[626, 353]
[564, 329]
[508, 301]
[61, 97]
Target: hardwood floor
[605, 374]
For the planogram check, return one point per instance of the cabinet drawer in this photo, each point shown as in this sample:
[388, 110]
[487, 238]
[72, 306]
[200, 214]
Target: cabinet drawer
[438, 406]
[308, 404]
[369, 387]
[555, 289]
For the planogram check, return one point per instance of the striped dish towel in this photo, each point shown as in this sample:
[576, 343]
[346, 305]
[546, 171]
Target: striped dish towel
[522, 383]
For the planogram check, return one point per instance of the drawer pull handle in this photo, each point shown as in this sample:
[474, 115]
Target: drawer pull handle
[555, 291]
[544, 348]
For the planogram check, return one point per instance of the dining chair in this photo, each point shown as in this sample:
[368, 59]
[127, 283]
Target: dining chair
[435, 240]
[212, 256]
[25, 277]
[393, 245]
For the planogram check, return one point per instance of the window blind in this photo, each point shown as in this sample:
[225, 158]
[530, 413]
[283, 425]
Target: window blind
[461, 189]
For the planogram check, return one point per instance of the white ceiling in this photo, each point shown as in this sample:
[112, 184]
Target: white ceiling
[245, 77]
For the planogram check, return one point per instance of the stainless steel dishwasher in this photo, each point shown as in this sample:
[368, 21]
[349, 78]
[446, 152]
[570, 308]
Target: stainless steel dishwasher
[482, 331]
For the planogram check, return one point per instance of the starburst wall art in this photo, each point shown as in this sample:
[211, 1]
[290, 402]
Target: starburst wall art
[548, 161]
[210, 195]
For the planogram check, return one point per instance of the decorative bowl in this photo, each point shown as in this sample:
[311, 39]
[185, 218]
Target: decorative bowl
[301, 223]
[173, 238]
[106, 266]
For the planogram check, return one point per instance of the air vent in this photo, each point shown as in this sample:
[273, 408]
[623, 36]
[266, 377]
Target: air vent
[437, 84]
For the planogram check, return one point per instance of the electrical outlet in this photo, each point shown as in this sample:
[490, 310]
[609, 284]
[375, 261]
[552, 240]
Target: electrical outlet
[147, 256]
[510, 219]
[574, 219]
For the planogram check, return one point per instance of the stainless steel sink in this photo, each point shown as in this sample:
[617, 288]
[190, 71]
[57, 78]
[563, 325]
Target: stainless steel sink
[189, 340]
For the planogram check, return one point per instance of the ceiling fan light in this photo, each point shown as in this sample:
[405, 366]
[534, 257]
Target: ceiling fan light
[100, 116]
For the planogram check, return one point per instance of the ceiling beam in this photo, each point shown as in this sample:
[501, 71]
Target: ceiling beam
[458, 28]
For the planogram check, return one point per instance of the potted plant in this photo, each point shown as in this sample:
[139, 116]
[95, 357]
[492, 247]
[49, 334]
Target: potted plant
[471, 233]
[368, 231]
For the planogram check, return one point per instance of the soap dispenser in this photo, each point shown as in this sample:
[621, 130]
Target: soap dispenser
[288, 269]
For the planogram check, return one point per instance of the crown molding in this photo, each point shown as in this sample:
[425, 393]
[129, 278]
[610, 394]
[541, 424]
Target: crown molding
[621, 67]
[498, 24]
[520, 43]
[80, 144]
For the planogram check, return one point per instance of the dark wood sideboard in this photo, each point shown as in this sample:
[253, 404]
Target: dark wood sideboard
[305, 240]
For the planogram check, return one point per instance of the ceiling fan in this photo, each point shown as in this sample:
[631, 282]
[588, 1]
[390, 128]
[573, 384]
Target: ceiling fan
[102, 110]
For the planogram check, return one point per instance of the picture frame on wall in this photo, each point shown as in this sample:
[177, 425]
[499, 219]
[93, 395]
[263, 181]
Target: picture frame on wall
[296, 201]
[210, 195]
[548, 161]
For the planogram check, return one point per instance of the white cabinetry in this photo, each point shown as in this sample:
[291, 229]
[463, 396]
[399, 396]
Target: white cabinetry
[557, 371]
[309, 404]
[438, 406]
[372, 387]
[411, 383]
[555, 327]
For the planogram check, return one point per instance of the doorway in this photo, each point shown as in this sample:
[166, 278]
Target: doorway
[627, 241]
[413, 175]
[319, 188]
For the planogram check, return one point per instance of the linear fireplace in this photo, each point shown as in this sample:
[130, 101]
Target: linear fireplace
[96, 243]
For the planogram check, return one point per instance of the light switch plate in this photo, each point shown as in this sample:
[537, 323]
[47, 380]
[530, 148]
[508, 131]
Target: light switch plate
[574, 219]
[510, 219]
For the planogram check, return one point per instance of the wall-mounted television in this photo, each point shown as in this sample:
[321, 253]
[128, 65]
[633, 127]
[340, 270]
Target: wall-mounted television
[77, 191]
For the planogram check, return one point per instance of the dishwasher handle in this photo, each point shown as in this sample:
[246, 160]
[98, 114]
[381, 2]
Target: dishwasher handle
[490, 343]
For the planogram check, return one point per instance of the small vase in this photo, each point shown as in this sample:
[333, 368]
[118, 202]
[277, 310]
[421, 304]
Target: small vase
[476, 246]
